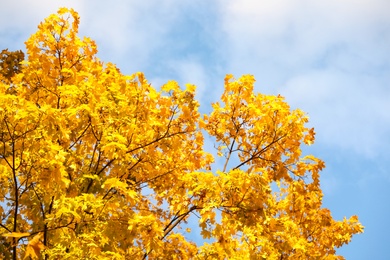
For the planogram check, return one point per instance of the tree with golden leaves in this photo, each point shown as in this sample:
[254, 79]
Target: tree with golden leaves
[95, 164]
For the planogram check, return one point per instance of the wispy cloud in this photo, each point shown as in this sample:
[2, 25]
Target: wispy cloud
[330, 58]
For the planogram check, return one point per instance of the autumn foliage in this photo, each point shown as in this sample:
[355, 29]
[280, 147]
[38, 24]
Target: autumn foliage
[10, 63]
[95, 164]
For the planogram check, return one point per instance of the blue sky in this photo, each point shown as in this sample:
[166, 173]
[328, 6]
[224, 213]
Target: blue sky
[330, 58]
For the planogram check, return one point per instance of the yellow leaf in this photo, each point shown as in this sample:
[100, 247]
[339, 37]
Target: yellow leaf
[16, 234]
[114, 182]
[34, 247]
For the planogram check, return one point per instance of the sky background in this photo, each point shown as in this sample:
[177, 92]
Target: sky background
[329, 58]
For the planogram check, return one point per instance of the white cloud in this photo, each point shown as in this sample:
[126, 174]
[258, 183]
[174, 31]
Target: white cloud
[119, 27]
[292, 34]
[123, 27]
[346, 111]
[331, 58]
[20, 18]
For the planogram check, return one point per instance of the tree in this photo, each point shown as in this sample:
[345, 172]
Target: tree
[95, 164]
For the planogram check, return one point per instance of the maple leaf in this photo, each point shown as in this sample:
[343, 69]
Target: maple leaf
[34, 247]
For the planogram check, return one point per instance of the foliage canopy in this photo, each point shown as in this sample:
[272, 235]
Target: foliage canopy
[95, 164]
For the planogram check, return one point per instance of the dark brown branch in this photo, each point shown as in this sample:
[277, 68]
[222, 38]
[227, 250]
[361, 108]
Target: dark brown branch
[259, 152]
[174, 222]
[82, 134]
[9, 230]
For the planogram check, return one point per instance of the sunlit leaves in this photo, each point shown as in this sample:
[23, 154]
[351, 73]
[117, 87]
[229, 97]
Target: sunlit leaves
[34, 247]
[16, 234]
[95, 164]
